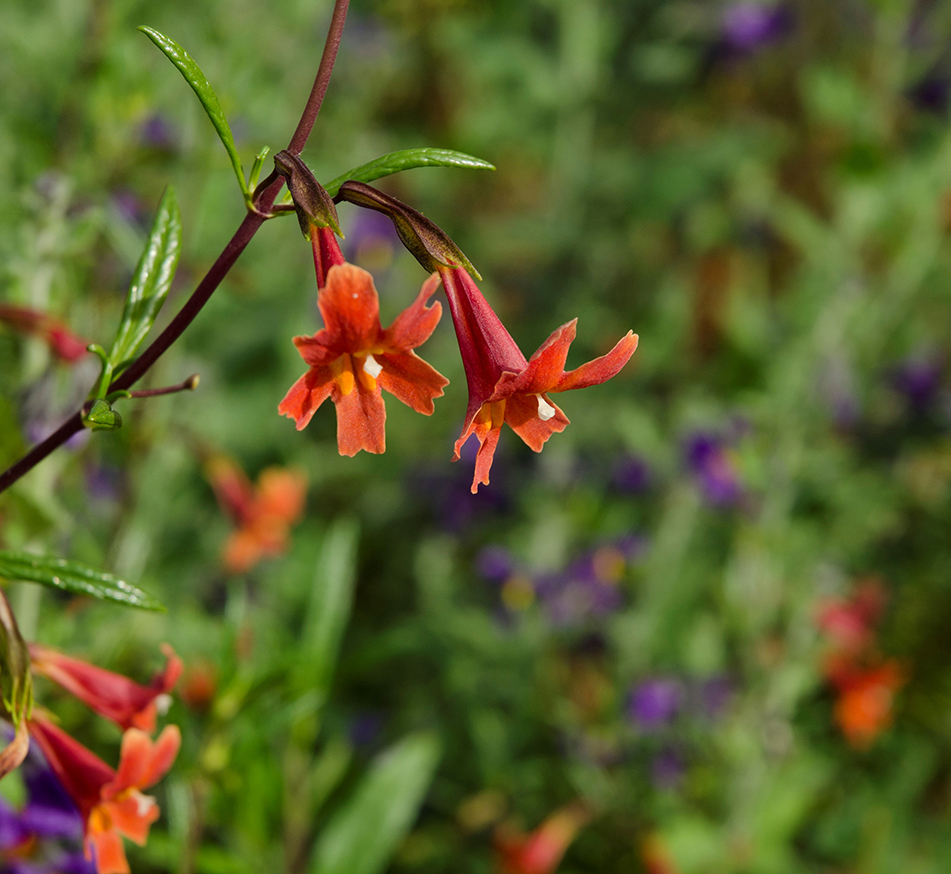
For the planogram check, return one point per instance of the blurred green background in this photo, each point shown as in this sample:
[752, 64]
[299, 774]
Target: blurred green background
[641, 617]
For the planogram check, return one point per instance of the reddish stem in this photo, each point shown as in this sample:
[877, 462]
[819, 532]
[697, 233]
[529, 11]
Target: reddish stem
[213, 278]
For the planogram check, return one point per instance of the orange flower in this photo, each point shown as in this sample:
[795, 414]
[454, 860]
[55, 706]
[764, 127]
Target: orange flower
[110, 802]
[503, 386]
[263, 514]
[128, 704]
[866, 695]
[353, 358]
[541, 851]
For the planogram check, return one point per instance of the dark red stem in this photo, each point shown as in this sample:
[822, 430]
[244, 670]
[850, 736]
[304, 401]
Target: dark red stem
[213, 278]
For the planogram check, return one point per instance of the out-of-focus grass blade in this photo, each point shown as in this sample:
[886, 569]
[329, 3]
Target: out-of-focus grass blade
[206, 94]
[364, 833]
[151, 280]
[407, 159]
[73, 577]
[330, 604]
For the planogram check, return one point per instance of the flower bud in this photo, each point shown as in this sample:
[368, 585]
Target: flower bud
[315, 207]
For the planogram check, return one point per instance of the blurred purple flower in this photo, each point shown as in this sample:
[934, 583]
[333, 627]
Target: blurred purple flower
[655, 703]
[371, 241]
[918, 379]
[931, 93]
[365, 728]
[667, 769]
[631, 474]
[710, 463]
[749, 26]
[45, 836]
[715, 694]
[157, 133]
[590, 585]
[494, 564]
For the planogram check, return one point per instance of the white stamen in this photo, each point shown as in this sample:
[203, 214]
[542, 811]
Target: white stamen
[143, 803]
[162, 703]
[372, 367]
[545, 409]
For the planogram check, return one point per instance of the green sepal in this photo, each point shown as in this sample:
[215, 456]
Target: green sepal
[75, 578]
[315, 207]
[407, 159]
[428, 243]
[256, 168]
[206, 94]
[16, 681]
[101, 417]
[150, 283]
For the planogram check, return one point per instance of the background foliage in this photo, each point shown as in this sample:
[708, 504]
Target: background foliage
[630, 617]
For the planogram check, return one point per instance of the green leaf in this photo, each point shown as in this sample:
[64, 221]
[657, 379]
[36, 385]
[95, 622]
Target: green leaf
[73, 577]
[151, 280]
[329, 609]
[407, 159]
[206, 94]
[363, 835]
[16, 681]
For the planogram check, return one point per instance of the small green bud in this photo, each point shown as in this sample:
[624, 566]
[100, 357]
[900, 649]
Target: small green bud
[101, 417]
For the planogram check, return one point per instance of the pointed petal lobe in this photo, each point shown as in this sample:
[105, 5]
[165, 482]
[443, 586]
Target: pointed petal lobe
[522, 416]
[306, 395]
[416, 323]
[411, 379]
[350, 308]
[601, 369]
[361, 420]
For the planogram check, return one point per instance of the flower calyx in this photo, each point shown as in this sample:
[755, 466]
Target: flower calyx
[314, 206]
[427, 242]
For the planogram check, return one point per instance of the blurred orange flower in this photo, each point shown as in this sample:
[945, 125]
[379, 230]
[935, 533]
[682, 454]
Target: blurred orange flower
[263, 514]
[541, 851]
[864, 706]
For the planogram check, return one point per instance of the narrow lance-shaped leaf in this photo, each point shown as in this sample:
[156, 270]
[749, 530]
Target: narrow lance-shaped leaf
[16, 687]
[206, 94]
[407, 159]
[363, 835]
[151, 280]
[75, 578]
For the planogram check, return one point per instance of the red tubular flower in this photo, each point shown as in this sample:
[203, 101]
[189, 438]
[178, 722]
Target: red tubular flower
[503, 386]
[541, 851]
[264, 514]
[353, 358]
[125, 702]
[110, 802]
[65, 345]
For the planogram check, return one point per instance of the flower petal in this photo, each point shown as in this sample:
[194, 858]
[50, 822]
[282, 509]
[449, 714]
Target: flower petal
[281, 493]
[350, 308]
[522, 416]
[361, 420]
[314, 350]
[487, 426]
[132, 815]
[110, 854]
[306, 395]
[415, 325]
[601, 369]
[142, 763]
[411, 379]
[547, 366]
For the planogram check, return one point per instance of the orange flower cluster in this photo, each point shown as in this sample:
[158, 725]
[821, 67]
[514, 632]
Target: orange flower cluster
[864, 680]
[263, 514]
[110, 801]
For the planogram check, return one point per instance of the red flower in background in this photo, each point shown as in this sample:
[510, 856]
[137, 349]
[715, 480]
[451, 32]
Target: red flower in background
[353, 358]
[264, 513]
[863, 709]
[504, 387]
[541, 851]
[110, 802]
[63, 343]
[865, 682]
[125, 702]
